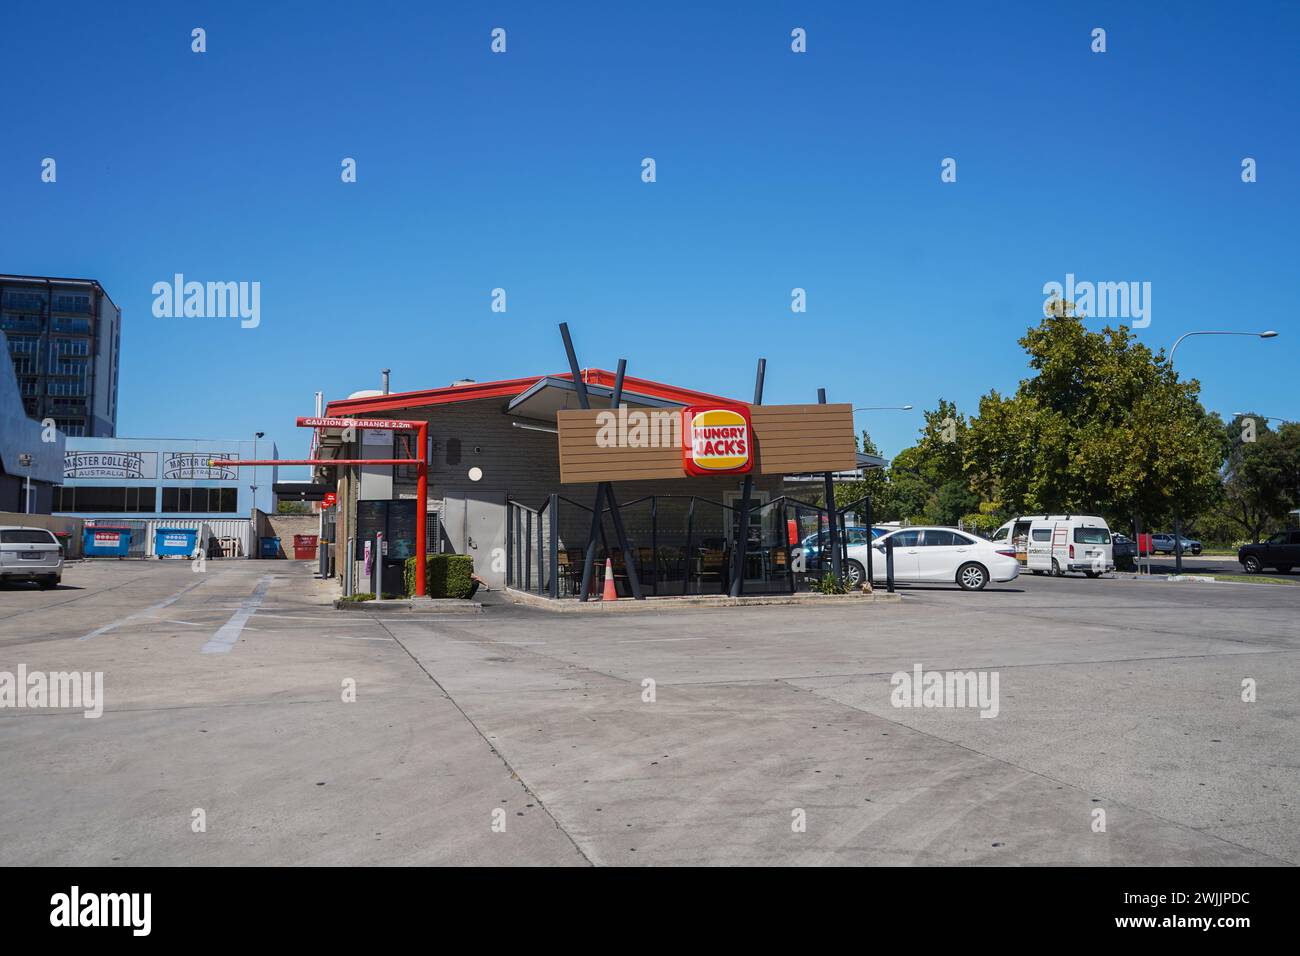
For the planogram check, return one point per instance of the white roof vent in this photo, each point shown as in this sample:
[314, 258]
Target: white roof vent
[366, 393]
[462, 381]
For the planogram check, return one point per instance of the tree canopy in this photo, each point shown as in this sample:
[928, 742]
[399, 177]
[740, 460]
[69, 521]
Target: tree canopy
[1101, 425]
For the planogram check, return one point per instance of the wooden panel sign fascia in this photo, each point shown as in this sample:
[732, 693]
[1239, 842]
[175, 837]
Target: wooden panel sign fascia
[793, 439]
[789, 439]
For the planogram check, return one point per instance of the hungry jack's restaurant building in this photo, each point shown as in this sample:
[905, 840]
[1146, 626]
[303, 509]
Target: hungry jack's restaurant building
[513, 473]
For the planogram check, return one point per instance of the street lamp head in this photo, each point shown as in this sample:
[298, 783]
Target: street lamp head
[907, 408]
[1270, 334]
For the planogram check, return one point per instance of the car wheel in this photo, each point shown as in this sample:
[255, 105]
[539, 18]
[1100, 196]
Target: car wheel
[47, 583]
[972, 577]
[1251, 564]
[1195, 552]
[1093, 574]
[854, 574]
[1284, 568]
[1056, 569]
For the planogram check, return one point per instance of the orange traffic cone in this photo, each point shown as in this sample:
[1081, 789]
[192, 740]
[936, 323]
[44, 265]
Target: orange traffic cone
[611, 594]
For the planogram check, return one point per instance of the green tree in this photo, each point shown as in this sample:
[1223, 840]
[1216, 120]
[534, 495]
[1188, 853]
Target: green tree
[951, 502]
[1103, 426]
[937, 454]
[874, 482]
[1261, 477]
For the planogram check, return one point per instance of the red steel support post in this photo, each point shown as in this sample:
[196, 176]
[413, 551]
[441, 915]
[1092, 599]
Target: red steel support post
[422, 509]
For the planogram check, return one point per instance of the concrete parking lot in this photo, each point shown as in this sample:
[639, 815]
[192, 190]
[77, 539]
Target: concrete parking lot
[522, 737]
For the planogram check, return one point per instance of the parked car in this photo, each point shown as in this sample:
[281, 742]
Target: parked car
[857, 537]
[1055, 544]
[1164, 544]
[1281, 552]
[30, 554]
[1124, 550]
[940, 556]
[855, 534]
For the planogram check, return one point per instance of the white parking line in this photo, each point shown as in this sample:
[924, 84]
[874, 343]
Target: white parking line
[511, 643]
[272, 615]
[139, 614]
[661, 640]
[222, 641]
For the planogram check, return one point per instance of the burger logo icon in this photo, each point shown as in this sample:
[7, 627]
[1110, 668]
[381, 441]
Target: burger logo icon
[717, 440]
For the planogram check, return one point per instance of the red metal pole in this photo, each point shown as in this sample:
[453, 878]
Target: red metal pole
[248, 462]
[422, 508]
[420, 461]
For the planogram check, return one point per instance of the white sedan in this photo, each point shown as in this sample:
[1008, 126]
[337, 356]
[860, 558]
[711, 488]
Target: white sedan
[938, 556]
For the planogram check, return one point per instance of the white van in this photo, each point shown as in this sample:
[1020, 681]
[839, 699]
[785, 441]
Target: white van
[1055, 544]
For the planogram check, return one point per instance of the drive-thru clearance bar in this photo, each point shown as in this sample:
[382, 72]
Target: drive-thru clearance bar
[422, 469]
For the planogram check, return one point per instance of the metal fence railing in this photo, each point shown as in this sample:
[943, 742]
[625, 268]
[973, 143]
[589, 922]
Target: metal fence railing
[679, 544]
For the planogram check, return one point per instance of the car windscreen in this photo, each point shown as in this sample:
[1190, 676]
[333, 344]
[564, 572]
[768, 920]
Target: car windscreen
[27, 536]
[1091, 536]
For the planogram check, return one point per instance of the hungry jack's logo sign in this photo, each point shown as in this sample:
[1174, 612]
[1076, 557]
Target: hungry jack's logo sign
[717, 440]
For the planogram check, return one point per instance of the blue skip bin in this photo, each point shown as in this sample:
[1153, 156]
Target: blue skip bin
[105, 542]
[174, 542]
[270, 547]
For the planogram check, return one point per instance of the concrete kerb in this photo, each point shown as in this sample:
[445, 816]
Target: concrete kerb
[695, 601]
[1149, 578]
[412, 606]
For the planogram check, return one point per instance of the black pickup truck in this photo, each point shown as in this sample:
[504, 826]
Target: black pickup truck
[1280, 552]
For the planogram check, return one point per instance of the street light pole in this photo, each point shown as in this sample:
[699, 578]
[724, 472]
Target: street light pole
[1178, 526]
[1270, 334]
[25, 460]
[1267, 418]
[252, 514]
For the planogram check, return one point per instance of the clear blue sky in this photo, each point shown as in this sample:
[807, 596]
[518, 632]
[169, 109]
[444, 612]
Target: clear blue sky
[775, 170]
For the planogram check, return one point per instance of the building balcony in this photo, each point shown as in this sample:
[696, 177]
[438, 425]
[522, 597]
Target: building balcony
[72, 326]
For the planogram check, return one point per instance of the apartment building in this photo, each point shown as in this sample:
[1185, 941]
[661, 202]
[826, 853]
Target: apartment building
[64, 338]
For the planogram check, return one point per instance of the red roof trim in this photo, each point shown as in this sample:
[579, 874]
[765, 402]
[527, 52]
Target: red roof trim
[510, 388]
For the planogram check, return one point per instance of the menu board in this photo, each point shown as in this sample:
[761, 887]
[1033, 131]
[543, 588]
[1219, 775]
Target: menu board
[396, 519]
[401, 529]
[372, 518]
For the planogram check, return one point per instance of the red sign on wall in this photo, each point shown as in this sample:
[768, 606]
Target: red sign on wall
[329, 500]
[717, 440]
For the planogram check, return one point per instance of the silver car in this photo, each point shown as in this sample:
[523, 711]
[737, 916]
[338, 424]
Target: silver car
[30, 554]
